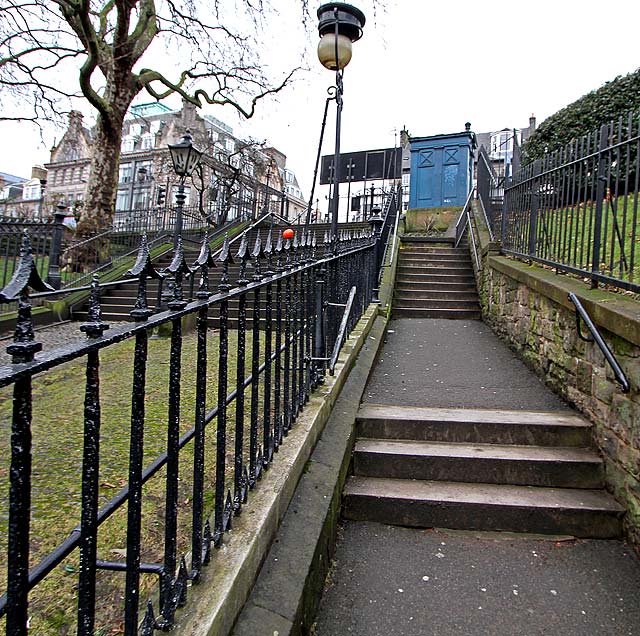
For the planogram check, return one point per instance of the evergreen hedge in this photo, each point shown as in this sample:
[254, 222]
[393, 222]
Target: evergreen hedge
[586, 114]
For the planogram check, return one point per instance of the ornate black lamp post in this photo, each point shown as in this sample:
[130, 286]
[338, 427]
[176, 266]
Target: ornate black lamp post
[339, 26]
[54, 277]
[185, 157]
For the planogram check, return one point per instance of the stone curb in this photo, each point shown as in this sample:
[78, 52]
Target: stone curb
[285, 598]
[215, 603]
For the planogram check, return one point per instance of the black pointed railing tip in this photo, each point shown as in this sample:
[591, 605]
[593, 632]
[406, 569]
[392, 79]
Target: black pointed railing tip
[207, 540]
[181, 583]
[243, 256]
[257, 254]
[228, 511]
[143, 269]
[204, 263]
[95, 326]
[178, 269]
[25, 277]
[149, 623]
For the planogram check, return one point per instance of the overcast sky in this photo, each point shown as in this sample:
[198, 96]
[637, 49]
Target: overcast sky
[429, 66]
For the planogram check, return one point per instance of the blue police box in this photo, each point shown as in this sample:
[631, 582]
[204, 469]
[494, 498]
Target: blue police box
[441, 169]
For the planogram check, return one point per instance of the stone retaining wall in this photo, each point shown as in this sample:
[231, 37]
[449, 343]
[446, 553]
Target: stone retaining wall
[528, 307]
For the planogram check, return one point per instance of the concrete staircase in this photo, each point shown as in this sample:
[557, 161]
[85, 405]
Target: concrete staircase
[479, 470]
[435, 280]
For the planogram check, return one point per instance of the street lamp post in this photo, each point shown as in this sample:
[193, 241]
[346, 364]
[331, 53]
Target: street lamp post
[339, 26]
[185, 157]
[54, 278]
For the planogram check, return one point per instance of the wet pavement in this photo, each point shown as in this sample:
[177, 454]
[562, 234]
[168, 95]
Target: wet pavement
[396, 581]
[400, 581]
[453, 364]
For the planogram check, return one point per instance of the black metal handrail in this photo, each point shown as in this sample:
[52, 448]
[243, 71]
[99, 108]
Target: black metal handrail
[487, 188]
[464, 225]
[581, 314]
[292, 328]
[342, 330]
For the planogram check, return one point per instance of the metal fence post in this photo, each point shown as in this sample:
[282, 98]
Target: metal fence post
[600, 194]
[53, 272]
[535, 204]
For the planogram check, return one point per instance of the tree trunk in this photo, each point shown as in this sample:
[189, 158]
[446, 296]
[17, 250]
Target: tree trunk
[97, 215]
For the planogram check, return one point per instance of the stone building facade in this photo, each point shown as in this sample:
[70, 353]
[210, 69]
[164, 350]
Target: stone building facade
[234, 179]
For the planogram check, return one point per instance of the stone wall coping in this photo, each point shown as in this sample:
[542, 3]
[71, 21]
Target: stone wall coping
[616, 314]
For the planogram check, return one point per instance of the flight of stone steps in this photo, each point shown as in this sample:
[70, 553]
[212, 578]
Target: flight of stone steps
[479, 469]
[434, 280]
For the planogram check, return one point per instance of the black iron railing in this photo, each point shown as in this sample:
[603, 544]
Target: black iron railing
[577, 209]
[247, 397]
[387, 229]
[465, 227]
[490, 192]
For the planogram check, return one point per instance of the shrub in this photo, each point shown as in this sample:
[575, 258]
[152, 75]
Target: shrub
[586, 114]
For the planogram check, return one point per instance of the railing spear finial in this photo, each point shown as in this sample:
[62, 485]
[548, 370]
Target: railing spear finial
[204, 263]
[179, 269]
[268, 252]
[95, 326]
[25, 276]
[225, 258]
[257, 254]
[243, 256]
[143, 269]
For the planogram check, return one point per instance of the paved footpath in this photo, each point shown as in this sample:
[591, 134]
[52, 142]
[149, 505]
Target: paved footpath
[51, 336]
[396, 581]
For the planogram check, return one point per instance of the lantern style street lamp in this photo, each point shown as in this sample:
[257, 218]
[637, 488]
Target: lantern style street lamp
[186, 158]
[339, 25]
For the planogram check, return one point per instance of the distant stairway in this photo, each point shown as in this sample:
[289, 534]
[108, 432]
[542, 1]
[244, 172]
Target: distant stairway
[479, 470]
[435, 280]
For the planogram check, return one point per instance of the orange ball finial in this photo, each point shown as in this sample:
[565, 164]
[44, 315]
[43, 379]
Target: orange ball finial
[288, 233]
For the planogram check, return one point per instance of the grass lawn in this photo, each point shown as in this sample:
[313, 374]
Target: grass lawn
[565, 235]
[57, 461]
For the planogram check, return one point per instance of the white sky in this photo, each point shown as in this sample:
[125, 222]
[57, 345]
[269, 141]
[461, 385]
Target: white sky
[430, 66]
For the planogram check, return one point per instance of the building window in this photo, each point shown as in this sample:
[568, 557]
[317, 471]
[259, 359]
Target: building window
[147, 142]
[128, 144]
[124, 173]
[122, 200]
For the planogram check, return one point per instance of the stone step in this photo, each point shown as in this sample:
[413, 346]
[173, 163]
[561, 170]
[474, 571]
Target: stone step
[450, 303]
[452, 257]
[420, 252]
[559, 467]
[439, 314]
[433, 267]
[448, 241]
[464, 506]
[435, 294]
[427, 278]
[434, 286]
[474, 426]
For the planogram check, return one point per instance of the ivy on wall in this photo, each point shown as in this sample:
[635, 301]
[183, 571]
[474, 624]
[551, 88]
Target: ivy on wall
[586, 114]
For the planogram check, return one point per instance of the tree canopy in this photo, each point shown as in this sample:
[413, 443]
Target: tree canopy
[607, 103]
[204, 52]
